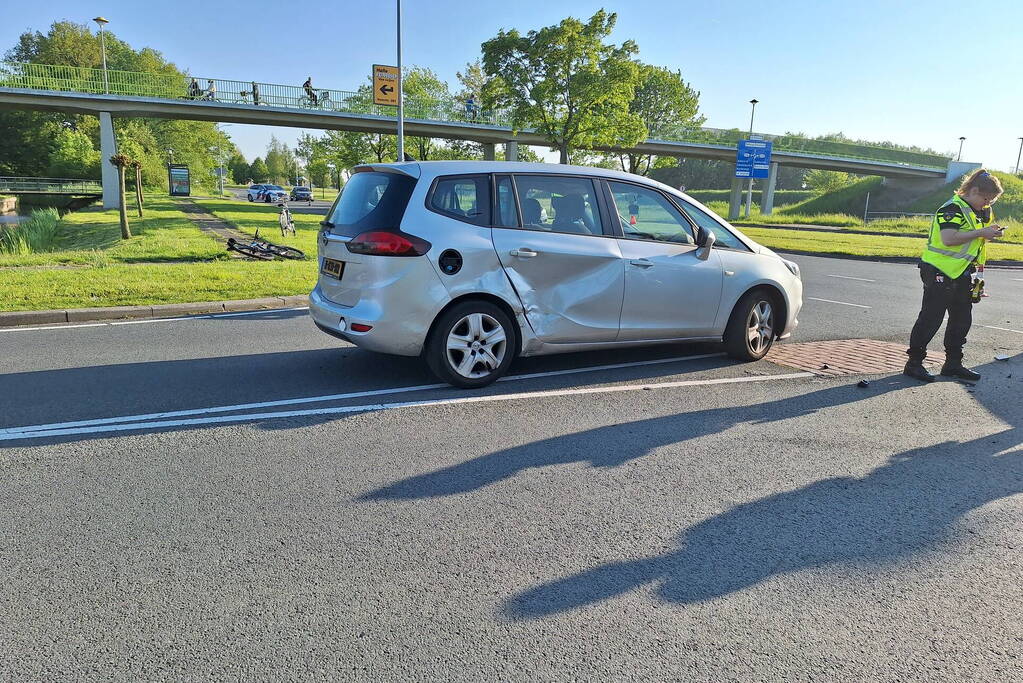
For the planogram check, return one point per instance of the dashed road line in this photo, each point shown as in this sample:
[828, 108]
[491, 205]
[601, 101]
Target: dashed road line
[848, 277]
[841, 303]
[1003, 329]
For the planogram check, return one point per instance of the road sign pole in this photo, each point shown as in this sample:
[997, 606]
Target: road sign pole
[401, 97]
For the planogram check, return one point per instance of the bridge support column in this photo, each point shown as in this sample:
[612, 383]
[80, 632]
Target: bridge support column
[489, 153]
[735, 199]
[107, 149]
[767, 194]
[511, 150]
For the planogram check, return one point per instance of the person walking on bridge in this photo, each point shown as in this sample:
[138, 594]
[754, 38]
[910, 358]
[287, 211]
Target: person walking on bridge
[955, 247]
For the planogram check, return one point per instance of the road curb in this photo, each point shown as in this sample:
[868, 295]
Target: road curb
[76, 315]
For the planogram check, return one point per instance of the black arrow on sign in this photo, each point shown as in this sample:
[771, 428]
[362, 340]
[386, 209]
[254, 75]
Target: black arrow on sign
[386, 89]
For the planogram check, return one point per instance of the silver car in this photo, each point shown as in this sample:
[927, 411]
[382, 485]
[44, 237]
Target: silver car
[472, 264]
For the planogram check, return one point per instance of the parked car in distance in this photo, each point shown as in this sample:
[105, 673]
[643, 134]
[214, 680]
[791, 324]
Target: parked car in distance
[473, 264]
[301, 194]
[255, 192]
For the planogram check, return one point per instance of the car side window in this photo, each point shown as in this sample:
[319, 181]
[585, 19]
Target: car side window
[466, 198]
[646, 214]
[723, 237]
[559, 204]
[507, 217]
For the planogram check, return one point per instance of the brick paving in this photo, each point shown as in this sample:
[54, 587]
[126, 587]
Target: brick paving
[846, 357]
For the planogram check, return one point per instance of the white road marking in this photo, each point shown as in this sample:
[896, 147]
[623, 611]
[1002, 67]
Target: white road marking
[846, 277]
[151, 320]
[372, 407]
[843, 303]
[1003, 329]
[332, 397]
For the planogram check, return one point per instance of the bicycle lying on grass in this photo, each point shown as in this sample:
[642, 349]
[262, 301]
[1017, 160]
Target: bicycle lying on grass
[263, 250]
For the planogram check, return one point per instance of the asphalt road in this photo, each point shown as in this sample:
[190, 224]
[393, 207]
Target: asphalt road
[249, 498]
[317, 206]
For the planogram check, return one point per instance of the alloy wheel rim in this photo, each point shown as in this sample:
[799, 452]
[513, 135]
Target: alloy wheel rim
[476, 346]
[760, 327]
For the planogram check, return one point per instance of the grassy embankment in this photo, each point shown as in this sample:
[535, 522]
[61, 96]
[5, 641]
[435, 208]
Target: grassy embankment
[837, 209]
[168, 260]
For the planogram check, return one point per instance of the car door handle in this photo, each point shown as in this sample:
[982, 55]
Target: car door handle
[524, 252]
[642, 262]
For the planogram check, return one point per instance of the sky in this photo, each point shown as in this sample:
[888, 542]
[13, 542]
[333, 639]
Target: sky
[909, 71]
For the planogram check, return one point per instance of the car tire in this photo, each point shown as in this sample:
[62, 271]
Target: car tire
[490, 344]
[249, 196]
[752, 326]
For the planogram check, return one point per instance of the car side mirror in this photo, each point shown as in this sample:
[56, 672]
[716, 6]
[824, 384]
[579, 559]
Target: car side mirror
[706, 242]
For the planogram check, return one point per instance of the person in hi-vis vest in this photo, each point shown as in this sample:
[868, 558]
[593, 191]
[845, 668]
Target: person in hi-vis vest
[955, 248]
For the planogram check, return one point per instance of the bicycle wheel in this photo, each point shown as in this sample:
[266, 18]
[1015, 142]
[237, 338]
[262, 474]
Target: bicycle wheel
[287, 252]
[248, 250]
[325, 102]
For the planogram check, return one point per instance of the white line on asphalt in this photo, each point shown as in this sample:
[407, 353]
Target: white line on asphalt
[150, 320]
[51, 327]
[1003, 329]
[332, 397]
[846, 277]
[843, 303]
[371, 407]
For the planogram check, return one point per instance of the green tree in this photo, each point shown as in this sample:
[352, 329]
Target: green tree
[426, 95]
[73, 156]
[280, 160]
[238, 168]
[668, 107]
[821, 181]
[258, 171]
[567, 83]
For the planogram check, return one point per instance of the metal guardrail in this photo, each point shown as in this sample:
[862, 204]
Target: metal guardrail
[50, 185]
[177, 86]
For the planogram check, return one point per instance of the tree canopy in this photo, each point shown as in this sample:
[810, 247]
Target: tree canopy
[567, 82]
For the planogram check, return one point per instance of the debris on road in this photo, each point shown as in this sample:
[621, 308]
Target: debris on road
[863, 384]
[1001, 356]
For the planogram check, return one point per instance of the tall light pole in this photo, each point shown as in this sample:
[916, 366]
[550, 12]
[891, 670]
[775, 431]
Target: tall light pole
[962, 139]
[401, 95]
[103, 47]
[1016, 172]
[749, 189]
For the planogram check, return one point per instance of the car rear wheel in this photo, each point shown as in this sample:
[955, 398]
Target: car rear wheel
[249, 196]
[753, 326]
[471, 345]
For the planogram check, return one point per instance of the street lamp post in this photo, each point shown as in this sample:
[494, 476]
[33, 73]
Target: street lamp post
[1016, 172]
[962, 139]
[749, 188]
[401, 98]
[103, 48]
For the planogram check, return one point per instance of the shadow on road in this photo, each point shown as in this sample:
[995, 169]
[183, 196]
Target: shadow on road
[908, 505]
[632, 440]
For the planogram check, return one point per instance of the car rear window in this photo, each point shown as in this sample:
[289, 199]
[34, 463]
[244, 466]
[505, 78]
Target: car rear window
[371, 201]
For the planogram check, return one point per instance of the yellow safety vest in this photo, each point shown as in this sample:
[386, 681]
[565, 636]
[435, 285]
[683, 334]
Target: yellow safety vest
[954, 263]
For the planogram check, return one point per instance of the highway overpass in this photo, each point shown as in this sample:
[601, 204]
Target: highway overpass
[83, 91]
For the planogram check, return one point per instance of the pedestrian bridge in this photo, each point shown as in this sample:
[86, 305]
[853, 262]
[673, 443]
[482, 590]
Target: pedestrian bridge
[134, 94]
[66, 186]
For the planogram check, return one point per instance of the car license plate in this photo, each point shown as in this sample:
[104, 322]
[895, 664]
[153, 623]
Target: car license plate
[333, 268]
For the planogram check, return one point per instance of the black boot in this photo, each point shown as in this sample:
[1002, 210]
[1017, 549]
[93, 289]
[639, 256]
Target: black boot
[956, 369]
[916, 370]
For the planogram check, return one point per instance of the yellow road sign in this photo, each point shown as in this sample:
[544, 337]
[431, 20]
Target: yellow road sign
[386, 83]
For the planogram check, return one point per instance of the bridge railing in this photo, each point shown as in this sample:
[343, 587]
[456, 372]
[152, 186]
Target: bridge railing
[50, 185]
[177, 86]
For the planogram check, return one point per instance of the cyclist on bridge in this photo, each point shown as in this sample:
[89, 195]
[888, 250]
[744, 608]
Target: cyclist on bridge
[308, 86]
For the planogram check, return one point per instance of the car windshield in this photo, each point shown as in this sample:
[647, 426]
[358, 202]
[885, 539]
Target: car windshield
[301, 189]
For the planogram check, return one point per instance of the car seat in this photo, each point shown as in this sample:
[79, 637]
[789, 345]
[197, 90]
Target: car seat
[532, 212]
[570, 215]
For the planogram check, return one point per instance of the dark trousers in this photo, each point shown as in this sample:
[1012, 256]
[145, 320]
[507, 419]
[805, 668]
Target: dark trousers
[941, 294]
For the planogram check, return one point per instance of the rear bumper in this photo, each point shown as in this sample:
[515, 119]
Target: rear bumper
[393, 332]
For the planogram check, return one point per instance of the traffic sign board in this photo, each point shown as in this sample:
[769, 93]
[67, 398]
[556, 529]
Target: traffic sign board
[386, 84]
[753, 159]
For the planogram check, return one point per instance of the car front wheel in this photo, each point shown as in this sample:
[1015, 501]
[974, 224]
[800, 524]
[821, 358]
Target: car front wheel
[471, 345]
[753, 326]
[250, 197]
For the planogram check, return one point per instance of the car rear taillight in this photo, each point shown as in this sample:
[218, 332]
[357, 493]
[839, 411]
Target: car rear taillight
[388, 243]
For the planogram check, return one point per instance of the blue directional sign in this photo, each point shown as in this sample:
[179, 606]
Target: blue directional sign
[753, 159]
